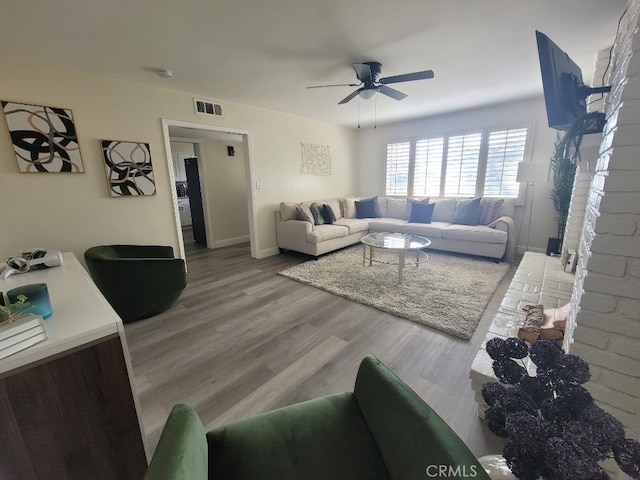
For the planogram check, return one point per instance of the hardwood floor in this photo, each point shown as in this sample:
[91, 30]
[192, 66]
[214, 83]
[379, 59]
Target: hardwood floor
[242, 340]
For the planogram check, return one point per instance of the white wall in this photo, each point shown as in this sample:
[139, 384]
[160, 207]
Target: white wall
[226, 192]
[72, 212]
[372, 153]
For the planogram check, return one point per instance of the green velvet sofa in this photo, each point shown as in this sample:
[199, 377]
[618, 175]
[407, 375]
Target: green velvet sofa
[383, 430]
[139, 281]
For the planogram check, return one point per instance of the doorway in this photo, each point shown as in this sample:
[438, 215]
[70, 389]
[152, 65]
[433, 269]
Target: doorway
[198, 135]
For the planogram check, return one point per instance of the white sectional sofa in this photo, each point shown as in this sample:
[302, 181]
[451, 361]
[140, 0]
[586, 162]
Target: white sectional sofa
[496, 239]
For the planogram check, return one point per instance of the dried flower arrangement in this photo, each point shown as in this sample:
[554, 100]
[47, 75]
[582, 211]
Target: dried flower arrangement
[555, 429]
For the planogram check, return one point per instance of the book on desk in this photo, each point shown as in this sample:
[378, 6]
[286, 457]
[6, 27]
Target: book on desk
[20, 334]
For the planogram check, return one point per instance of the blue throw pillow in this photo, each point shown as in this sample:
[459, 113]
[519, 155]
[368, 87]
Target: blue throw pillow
[328, 215]
[421, 212]
[467, 212]
[367, 208]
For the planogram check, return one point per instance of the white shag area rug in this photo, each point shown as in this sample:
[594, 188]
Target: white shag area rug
[448, 292]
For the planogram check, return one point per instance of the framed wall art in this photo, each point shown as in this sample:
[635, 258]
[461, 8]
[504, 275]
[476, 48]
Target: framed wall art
[128, 167]
[44, 138]
[315, 159]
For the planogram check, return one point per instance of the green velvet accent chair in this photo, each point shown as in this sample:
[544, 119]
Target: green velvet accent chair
[383, 430]
[139, 281]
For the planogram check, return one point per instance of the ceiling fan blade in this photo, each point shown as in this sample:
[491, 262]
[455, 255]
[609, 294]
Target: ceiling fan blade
[349, 97]
[408, 77]
[363, 71]
[337, 85]
[391, 92]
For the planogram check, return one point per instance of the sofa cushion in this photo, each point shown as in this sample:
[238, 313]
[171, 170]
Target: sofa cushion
[367, 208]
[421, 212]
[334, 203]
[474, 233]
[327, 214]
[489, 208]
[382, 206]
[386, 224]
[354, 225]
[398, 208]
[428, 230]
[288, 211]
[320, 233]
[444, 210]
[304, 213]
[316, 211]
[348, 207]
[467, 212]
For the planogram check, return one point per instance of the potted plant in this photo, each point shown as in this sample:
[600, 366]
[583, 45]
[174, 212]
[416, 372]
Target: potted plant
[564, 172]
[555, 429]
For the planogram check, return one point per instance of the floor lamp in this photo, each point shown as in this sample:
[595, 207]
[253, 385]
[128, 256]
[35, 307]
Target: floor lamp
[531, 173]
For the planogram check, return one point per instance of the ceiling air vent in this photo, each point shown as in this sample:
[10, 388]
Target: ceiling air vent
[207, 107]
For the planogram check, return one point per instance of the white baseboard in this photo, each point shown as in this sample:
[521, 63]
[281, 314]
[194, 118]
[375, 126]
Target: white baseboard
[227, 242]
[523, 248]
[269, 252]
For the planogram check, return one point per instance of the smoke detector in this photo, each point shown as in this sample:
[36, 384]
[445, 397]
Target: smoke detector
[165, 73]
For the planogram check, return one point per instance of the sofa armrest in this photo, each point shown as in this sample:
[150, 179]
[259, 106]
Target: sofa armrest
[411, 437]
[182, 450]
[507, 224]
[292, 234]
[502, 223]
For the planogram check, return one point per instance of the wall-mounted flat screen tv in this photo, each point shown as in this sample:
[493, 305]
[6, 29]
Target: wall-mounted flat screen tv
[564, 91]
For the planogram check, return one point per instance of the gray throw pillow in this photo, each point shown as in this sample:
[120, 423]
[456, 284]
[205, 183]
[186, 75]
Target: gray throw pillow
[467, 212]
[316, 211]
[304, 213]
[489, 208]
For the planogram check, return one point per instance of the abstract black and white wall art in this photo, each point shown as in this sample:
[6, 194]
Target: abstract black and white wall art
[128, 167]
[44, 138]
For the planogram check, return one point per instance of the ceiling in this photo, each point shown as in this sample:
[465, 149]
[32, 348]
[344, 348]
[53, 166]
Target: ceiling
[264, 53]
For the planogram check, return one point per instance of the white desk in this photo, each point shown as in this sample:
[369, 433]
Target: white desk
[79, 379]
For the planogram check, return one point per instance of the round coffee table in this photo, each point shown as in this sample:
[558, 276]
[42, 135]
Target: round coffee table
[394, 242]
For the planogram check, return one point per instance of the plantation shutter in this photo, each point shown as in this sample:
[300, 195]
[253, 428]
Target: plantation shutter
[428, 167]
[505, 152]
[463, 156]
[398, 156]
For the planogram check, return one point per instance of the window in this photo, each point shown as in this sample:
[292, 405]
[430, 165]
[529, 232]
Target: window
[505, 152]
[428, 167]
[481, 163]
[463, 156]
[398, 168]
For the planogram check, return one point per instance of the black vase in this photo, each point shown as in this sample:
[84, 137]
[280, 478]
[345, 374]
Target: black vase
[554, 245]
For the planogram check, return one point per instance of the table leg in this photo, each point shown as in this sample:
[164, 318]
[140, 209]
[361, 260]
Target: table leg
[400, 266]
[364, 254]
[371, 255]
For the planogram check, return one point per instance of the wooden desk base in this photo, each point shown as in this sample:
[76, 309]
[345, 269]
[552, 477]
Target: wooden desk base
[72, 417]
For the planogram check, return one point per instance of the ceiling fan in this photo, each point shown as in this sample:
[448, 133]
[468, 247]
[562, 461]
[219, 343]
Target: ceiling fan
[368, 73]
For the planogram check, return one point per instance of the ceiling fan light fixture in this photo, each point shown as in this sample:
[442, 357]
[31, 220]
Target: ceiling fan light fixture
[368, 93]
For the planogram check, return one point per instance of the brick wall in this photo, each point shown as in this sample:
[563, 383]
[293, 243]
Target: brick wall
[584, 171]
[606, 296]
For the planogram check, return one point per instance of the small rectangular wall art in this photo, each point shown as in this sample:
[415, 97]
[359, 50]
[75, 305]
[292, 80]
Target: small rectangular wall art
[44, 138]
[128, 168]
